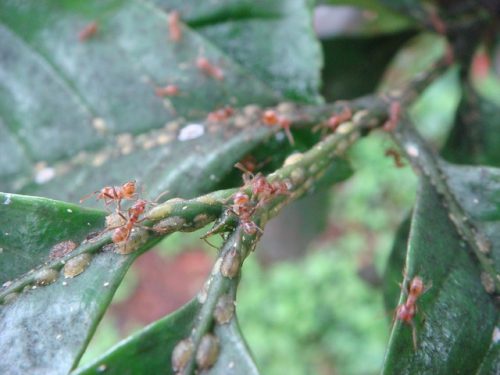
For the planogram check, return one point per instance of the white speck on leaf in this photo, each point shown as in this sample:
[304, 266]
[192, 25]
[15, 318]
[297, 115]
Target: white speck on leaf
[496, 335]
[69, 210]
[7, 199]
[45, 175]
[191, 131]
[412, 150]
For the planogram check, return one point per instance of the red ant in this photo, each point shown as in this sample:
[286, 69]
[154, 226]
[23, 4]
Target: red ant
[244, 210]
[262, 189]
[169, 90]
[220, 114]
[114, 193]
[88, 31]
[396, 156]
[209, 69]
[335, 120]
[394, 115]
[122, 233]
[271, 118]
[174, 26]
[407, 311]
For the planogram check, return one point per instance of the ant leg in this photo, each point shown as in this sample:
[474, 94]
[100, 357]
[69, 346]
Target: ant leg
[209, 243]
[414, 335]
[85, 197]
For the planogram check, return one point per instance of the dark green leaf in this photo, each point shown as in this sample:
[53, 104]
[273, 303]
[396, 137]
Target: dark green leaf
[76, 116]
[355, 65]
[31, 226]
[456, 320]
[475, 138]
[395, 264]
[79, 115]
[149, 350]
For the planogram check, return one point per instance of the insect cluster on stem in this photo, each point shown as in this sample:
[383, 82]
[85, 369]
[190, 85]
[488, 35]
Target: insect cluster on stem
[127, 191]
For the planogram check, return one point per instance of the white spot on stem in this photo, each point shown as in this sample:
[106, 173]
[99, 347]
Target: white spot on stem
[7, 199]
[191, 131]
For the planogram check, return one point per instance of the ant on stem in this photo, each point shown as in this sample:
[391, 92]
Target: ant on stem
[244, 204]
[209, 69]
[174, 26]
[407, 311]
[88, 31]
[272, 118]
[114, 193]
[122, 233]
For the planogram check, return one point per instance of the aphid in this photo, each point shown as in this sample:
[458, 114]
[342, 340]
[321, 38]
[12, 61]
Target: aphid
[206, 67]
[88, 31]
[114, 193]
[174, 26]
[394, 115]
[407, 311]
[396, 156]
[220, 114]
[335, 120]
[169, 90]
[122, 233]
[271, 118]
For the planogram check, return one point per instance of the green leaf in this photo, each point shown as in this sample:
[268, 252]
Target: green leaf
[31, 226]
[394, 267]
[149, 350]
[355, 65]
[436, 253]
[45, 328]
[76, 116]
[374, 18]
[475, 138]
[80, 115]
[266, 38]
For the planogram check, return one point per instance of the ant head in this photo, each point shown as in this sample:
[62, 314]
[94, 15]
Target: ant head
[416, 286]
[270, 117]
[249, 227]
[203, 63]
[140, 205]
[240, 198]
[129, 187]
